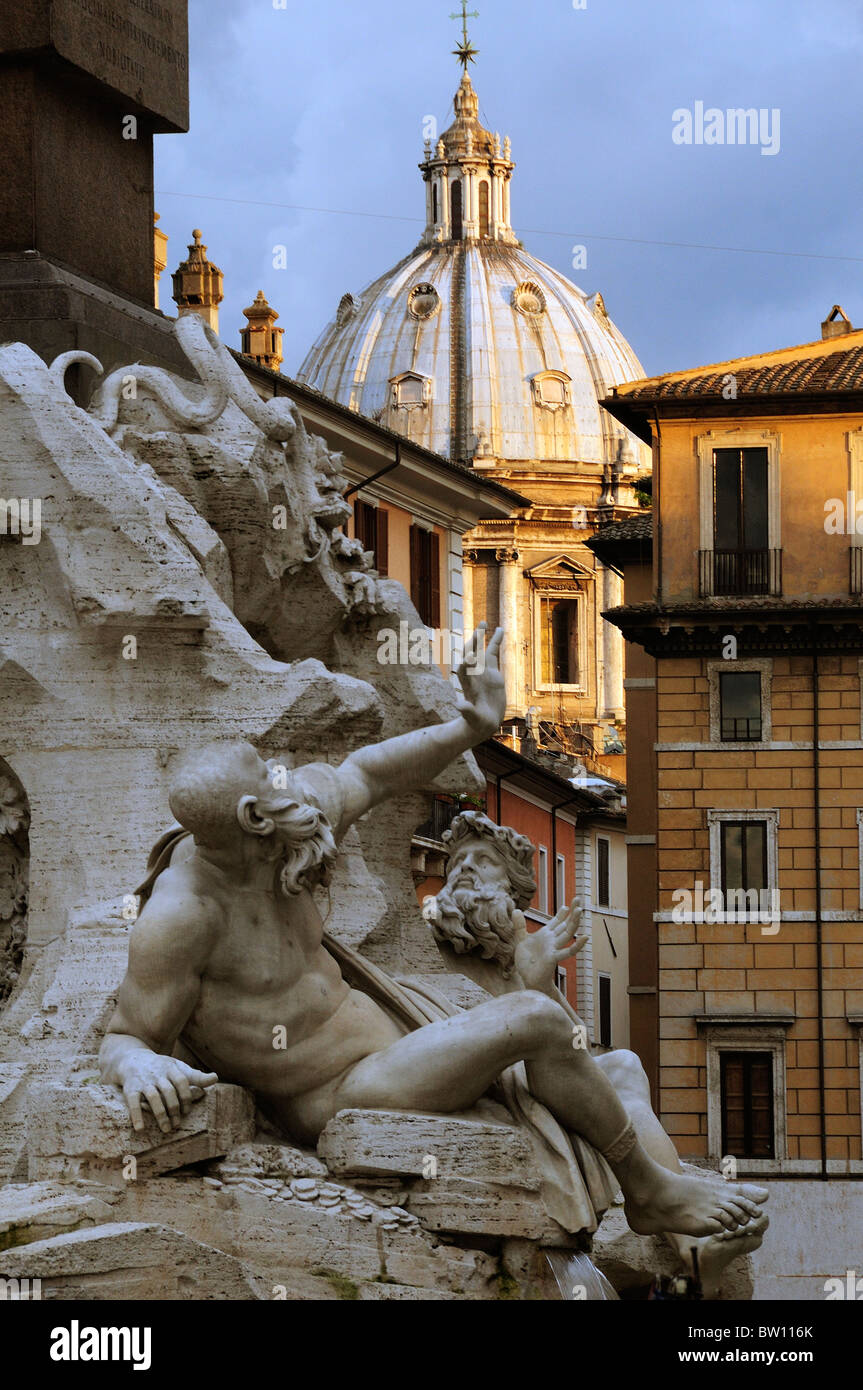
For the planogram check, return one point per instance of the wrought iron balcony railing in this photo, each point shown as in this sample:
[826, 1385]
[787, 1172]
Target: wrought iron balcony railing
[442, 816]
[743, 572]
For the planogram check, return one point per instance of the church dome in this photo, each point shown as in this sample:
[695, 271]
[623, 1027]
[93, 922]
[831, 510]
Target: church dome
[472, 347]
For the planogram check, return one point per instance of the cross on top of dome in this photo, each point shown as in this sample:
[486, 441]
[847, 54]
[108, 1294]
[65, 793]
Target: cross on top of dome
[466, 53]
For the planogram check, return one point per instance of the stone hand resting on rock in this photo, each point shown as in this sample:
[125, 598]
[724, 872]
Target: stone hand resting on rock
[168, 1086]
[230, 947]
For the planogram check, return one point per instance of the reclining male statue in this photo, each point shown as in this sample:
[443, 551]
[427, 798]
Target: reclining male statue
[478, 921]
[230, 946]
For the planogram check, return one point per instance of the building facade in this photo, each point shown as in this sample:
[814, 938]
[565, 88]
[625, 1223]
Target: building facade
[473, 348]
[744, 617]
[580, 838]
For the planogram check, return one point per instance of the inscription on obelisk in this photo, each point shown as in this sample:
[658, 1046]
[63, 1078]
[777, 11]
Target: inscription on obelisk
[84, 86]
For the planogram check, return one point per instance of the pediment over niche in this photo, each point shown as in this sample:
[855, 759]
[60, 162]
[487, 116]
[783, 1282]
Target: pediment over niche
[559, 572]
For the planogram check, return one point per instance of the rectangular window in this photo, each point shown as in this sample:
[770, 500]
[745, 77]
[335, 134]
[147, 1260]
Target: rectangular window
[743, 854]
[741, 556]
[740, 706]
[740, 499]
[560, 979]
[747, 1104]
[603, 872]
[605, 1011]
[372, 528]
[560, 871]
[425, 575]
[559, 641]
[542, 875]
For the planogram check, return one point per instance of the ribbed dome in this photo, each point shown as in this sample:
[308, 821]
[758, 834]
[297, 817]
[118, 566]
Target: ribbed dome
[472, 347]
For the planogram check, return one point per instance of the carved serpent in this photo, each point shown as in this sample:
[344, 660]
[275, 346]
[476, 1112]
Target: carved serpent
[221, 376]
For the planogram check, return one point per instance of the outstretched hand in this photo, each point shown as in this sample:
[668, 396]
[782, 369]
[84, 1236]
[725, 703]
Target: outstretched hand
[538, 955]
[484, 703]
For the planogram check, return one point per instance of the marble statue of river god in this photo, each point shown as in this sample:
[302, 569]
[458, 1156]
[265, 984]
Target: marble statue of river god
[230, 945]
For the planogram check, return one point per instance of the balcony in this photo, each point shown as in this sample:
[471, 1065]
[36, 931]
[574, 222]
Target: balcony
[746, 573]
[442, 816]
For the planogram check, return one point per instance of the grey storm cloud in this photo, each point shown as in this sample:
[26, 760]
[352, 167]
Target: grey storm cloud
[307, 128]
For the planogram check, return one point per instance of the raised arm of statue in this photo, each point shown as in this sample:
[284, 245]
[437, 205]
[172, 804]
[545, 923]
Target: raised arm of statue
[374, 774]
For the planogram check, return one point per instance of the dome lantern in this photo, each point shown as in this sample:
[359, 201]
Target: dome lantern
[468, 179]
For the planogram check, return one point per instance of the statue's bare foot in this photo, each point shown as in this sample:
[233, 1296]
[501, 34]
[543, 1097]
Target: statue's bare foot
[715, 1253]
[693, 1206]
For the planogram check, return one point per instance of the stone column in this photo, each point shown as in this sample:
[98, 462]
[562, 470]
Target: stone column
[497, 186]
[445, 215]
[507, 204]
[612, 648]
[468, 561]
[508, 620]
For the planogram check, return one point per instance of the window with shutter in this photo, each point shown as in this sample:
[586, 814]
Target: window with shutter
[747, 1104]
[371, 525]
[425, 575]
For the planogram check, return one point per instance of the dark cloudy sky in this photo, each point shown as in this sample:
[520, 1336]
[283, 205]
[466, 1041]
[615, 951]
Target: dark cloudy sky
[321, 106]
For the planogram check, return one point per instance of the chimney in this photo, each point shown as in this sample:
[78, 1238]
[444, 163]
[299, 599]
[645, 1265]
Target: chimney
[837, 323]
[199, 285]
[261, 340]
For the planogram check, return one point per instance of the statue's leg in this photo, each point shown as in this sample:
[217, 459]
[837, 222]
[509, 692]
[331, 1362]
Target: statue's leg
[448, 1065]
[629, 1079]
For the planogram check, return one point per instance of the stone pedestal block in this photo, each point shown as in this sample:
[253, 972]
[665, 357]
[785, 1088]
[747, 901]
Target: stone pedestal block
[85, 1131]
[466, 1206]
[130, 1261]
[373, 1143]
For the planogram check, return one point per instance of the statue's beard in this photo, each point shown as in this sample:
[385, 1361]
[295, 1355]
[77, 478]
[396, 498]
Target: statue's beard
[477, 919]
[303, 845]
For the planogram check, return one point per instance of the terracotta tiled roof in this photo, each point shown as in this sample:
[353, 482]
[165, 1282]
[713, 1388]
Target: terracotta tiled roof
[816, 375]
[633, 528]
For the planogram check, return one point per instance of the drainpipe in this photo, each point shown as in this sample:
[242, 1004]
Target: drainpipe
[657, 521]
[501, 778]
[367, 482]
[819, 925]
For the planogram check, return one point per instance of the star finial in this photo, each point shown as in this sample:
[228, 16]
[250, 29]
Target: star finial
[466, 53]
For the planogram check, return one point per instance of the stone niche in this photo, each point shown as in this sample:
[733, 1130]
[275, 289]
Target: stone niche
[14, 878]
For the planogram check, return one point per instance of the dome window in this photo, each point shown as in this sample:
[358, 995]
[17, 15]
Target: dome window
[483, 209]
[457, 211]
[528, 298]
[423, 301]
[551, 389]
[410, 391]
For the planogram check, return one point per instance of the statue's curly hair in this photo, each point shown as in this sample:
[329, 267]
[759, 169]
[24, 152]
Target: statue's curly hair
[516, 850]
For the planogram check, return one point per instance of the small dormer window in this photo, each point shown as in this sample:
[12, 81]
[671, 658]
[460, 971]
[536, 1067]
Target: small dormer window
[552, 390]
[410, 391]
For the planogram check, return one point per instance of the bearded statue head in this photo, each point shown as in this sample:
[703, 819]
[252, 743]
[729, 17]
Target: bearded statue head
[490, 880]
